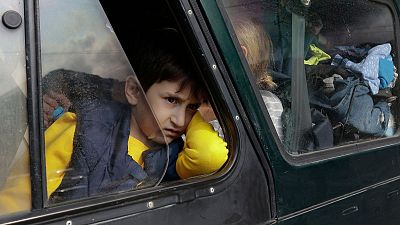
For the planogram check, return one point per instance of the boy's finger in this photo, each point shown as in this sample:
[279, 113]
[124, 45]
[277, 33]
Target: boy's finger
[65, 102]
[61, 99]
[47, 121]
[52, 102]
[48, 109]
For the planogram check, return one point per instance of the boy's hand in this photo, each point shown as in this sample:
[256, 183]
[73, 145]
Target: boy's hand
[204, 151]
[51, 101]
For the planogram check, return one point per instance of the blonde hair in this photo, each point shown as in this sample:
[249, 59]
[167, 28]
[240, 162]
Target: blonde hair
[253, 37]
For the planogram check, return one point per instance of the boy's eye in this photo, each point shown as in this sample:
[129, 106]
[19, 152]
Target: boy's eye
[193, 107]
[172, 100]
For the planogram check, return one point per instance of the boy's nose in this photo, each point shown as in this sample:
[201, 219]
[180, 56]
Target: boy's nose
[178, 118]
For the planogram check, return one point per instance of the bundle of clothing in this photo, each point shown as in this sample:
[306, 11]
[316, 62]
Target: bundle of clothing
[377, 68]
[355, 90]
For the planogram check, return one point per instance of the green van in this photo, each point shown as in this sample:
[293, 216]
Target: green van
[305, 94]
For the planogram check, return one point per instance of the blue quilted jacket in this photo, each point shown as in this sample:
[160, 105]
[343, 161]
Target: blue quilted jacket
[100, 162]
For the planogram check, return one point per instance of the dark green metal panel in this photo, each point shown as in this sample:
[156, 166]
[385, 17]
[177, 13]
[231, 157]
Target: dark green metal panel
[307, 186]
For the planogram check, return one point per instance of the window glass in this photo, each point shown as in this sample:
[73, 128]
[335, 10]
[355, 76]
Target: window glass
[14, 157]
[326, 71]
[107, 129]
[86, 115]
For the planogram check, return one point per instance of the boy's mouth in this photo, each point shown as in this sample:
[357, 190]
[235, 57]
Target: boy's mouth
[169, 132]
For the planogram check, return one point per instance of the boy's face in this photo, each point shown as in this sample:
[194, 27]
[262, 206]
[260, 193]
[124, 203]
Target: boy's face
[172, 105]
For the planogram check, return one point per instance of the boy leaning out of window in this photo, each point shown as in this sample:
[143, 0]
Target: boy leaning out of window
[108, 139]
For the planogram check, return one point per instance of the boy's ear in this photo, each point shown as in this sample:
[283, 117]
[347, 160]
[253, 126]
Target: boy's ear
[132, 90]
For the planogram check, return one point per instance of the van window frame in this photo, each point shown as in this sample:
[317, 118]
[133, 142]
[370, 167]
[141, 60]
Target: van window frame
[34, 108]
[211, 54]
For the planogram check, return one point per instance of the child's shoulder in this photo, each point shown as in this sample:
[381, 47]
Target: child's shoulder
[103, 110]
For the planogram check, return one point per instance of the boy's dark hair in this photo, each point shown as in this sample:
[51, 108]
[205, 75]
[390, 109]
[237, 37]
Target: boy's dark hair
[160, 55]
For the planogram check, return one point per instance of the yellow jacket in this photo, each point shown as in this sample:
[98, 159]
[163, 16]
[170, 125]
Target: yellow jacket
[204, 152]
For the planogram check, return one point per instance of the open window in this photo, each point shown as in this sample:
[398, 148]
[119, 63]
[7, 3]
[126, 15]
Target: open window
[119, 107]
[328, 69]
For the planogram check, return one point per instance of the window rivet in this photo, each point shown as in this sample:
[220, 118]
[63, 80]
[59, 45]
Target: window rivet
[214, 67]
[150, 205]
[211, 190]
[190, 12]
[237, 117]
[69, 222]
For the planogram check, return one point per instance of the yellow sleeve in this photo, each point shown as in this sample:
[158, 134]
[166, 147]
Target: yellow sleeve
[204, 151]
[59, 146]
[15, 196]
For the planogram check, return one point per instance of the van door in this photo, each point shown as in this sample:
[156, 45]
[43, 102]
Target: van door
[86, 46]
[329, 168]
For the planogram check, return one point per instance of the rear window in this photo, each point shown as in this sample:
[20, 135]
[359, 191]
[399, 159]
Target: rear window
[326, 70]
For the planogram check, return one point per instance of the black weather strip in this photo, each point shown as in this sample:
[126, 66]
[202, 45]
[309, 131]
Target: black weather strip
[36, 151]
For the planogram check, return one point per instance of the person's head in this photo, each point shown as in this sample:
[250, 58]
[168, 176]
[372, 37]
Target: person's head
[257, 48]
[314, 23]
[171, 83]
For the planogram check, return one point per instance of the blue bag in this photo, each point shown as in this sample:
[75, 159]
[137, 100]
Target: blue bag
[352, 105]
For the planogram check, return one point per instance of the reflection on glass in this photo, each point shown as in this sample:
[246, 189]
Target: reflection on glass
[94, 142]
[97, 144]
[15, 191]
[257, 47]
[332, 63]
[76, 35]
[102, 134]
